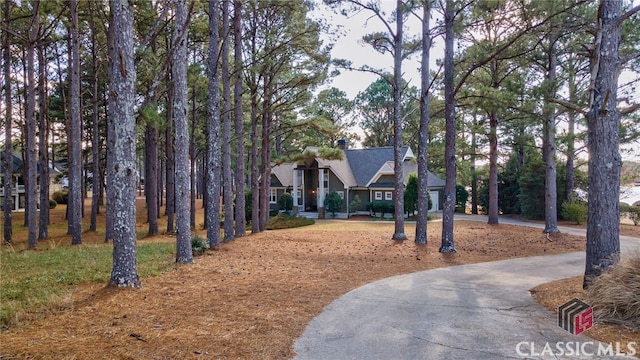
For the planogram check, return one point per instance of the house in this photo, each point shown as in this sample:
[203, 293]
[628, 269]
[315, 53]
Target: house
[367, 173]
[18, 191]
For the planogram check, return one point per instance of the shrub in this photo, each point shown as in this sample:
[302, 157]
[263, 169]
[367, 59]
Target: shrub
[333, 203]
[60, 197]
[286, 201]
[614, 294]
[632, 212]
[382, 207]
[198, 245]
[355, 204]
[411, 195]
[574, 210]
[286, 221]
[52, 204]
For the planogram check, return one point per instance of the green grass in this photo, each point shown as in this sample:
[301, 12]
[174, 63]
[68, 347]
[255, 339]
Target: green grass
[31, 281]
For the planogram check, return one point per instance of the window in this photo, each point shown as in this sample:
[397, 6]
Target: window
[341, 193]
[273, 196]
[388, 195]
[378, 195]
[326, 178]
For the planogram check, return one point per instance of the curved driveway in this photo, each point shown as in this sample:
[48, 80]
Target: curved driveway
[479, 311]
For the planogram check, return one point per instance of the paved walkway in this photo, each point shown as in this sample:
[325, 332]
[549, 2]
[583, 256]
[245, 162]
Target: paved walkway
[480, 311]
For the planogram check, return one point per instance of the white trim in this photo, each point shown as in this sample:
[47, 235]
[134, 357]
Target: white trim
[388, 195]
[377, 195]
[273, 196]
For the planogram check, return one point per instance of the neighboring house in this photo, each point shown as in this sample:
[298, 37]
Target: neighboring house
[367, 173]
[17, 182]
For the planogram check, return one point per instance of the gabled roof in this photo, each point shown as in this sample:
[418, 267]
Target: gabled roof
[361, 167]
[366, 163]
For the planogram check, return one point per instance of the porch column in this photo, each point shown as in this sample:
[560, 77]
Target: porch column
[295, 191]
[321, 193]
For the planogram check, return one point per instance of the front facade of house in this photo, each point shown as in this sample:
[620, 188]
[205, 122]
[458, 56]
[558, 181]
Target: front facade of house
[18, 190]
[367, 174]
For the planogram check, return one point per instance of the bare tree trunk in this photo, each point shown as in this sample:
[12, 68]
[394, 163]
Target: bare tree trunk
[238, 123]
[171, 163]
[398, 171]
[226, 128]
[423, 172]
[31, 151]
[43, 141]
[182, 175]
[493, 169]
[474, 173]
[95, 138]
[7, 164]
[449, 204]
[192, 165]
[75, 134]
[549, 146]
[213, 134]
[123, 172]
[265, 168]
[151, 174]
[111, 144]
[255, 178]
[603, 123]
[571, 138]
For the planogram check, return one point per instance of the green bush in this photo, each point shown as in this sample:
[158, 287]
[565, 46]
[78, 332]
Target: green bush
[411, 195]
[198, 246]
[52, 204]
[286, 201]
[333, 203]
[286, 221]
[382, 207]
[60, 197]
[355, 204]
[632, 212]
[574, 210]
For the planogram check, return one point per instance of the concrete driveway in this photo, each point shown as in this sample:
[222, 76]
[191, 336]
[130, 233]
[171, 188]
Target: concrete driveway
[480, 311]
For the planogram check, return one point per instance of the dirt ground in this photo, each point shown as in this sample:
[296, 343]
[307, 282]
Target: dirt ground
[255, 296]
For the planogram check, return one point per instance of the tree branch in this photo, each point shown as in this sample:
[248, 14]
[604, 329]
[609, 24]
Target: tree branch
[627, 15]
[570, 106]
[629, 109]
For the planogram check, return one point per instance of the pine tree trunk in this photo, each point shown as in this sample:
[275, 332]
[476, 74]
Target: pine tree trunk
[449, 204]
[603, 123]
[213, 133]
[43, 143]
[226, 132]
[171, 163]
[423, 174]
[494, 207]
[122, 170]
[239, 124]
[182, 175]
[95, 138]
[75, 134]
[398, 171]
[7, 164]
[255, 176]
[549, 144]
[151, 177]
[31, 151]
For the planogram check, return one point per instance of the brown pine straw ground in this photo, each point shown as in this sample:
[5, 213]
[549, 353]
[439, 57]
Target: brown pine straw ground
[252, 298]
